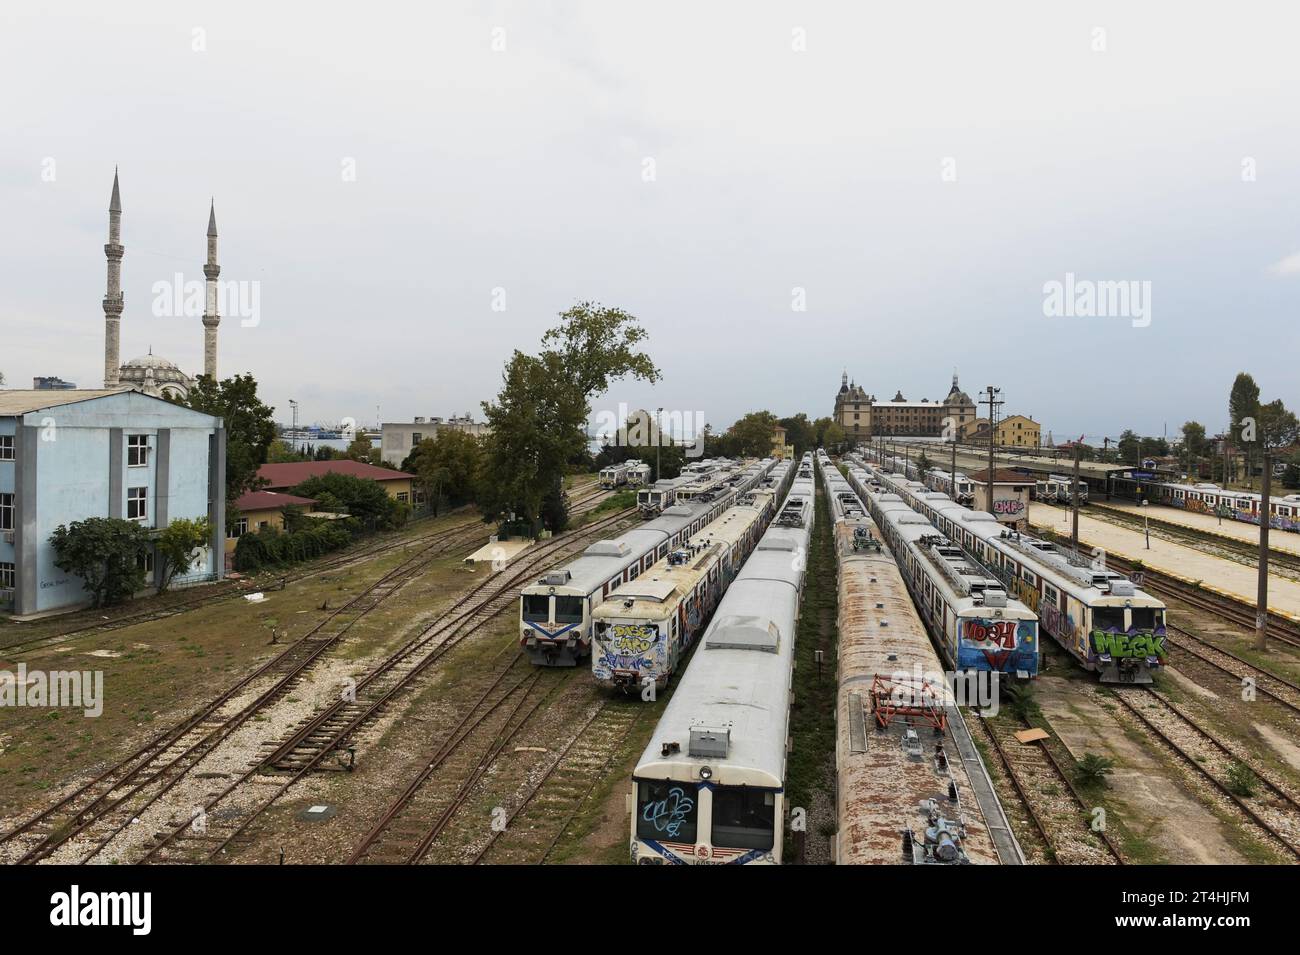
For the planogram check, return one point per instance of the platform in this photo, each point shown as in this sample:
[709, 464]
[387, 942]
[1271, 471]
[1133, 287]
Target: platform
[1286, 542]
[504, 551]
[1177, 560]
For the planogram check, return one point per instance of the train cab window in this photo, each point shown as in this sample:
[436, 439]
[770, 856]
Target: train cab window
[668, 810]
[537, 607]
[1108, 618]
[1147, 618]
[743, 818]
[568, 609]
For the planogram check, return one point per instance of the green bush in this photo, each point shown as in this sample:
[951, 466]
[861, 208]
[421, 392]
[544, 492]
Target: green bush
[271, 547]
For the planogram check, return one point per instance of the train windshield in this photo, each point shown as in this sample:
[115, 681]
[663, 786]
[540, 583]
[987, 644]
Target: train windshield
[568, 610]
[1148, 618]
[667, 810]
[743, 818]
[1108, 618]
[537, 607]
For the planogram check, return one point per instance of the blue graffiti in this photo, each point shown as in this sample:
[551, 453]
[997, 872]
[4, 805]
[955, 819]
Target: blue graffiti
[667, 815]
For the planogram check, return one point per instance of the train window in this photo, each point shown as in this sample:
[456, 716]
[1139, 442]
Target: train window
[743, 818]
[668, 811]
[633, 572]
[1030, 578]
[663, 549]
[568, 609]
[1108, 618]
[1148, 618]
[537, 607]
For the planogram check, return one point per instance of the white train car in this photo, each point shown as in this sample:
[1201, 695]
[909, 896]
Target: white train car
[646, 627]
[1109, 625]
[977, 626]
[1246, 506]
[638, 473]
[1062, 486]
[903, 794]
[710, 786]
[654, 500]
[555, 612]
[614, 476]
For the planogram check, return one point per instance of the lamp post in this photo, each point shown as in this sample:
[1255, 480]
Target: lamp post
[294, 405]
[659, 441]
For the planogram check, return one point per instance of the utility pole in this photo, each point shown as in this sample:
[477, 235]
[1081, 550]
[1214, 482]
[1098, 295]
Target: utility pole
[659, 441]
[1074, 495]
[1261, 605]
[993, 403]
[952, 475]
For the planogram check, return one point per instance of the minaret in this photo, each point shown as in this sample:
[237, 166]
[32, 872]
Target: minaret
[210, 317]
[113, 298]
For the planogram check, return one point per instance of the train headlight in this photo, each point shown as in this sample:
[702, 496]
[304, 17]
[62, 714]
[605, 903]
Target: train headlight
[706, 772]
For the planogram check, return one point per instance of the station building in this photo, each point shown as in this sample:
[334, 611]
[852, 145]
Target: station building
[1014, 431]
[863, 416]
[69, 455]
[282, 477]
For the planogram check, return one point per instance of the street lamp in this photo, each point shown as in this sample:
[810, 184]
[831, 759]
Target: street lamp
[659, 441]
[294, 405]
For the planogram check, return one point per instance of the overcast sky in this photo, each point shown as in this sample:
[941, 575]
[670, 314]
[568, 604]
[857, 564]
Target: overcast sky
[919, 171]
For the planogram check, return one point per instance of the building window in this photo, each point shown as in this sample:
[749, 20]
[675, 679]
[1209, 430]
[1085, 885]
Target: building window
[416, 438]
[6, 512]
[403, 496]
[137, 502]
[144, 561]
[6, 447]
[8, 576]
[137, 450]
[241, 528]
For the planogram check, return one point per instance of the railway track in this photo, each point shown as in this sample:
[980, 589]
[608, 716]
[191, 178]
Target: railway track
[223, 591]
[1057, 809]
[1213, 761]
[544, 813]
[330, 730]
[163, 761]
[1277, 688]
[590, 496]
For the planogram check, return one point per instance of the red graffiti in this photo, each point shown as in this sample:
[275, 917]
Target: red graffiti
[997, 658]
[1000, 633]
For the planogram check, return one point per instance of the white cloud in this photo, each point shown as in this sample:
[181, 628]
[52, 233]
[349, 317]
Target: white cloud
[1288, 266]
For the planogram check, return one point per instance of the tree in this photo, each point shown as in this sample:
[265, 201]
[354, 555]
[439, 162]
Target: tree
[107, 553]
[447, 466]
[751, 436]
[280, 452]
[176, 546]
[1243, 404]
[250, 429]
[363, 449]
[1130, 448]
[363, 499]
[1194, 445]
[539, 419]
[923, 463]
[799, 432]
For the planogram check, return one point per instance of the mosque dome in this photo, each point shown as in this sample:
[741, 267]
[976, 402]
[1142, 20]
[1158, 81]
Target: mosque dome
[155, 375]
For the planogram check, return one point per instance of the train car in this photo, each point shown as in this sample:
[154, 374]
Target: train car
[638, 473]
[1108, 624]
[710, 786]
[614, 476]
[654, 500]
[962, 491]
[903, 793]
[646, 627]
[977, 626]
[1062, 484]
[1246, 506]
[555, 612]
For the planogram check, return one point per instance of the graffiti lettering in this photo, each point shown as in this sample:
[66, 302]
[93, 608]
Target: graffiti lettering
[667, 815]
[1127, 645]
[1008, 507]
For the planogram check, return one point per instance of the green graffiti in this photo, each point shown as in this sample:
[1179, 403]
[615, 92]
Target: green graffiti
[1126, 645]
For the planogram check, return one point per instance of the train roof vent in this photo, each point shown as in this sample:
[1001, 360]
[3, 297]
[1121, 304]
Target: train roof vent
[890, 499]
[556, 578]
[678, 510]
[912, 518]
[1120, 587]
[709, 744]
[970, 517]
[608, 548]
[745, 633]
[995, 597]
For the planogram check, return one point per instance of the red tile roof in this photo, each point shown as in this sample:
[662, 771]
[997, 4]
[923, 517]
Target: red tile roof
[267, 500]
[295, 472]
[1001, 476]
